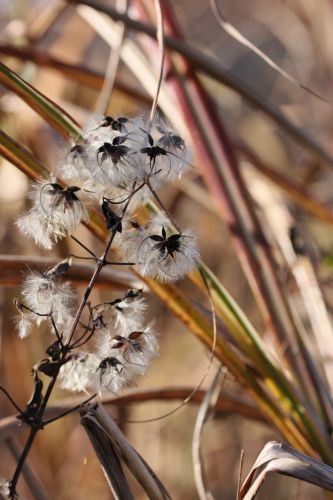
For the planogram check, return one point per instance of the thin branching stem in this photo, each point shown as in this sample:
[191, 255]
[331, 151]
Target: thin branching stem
[80, 257]
[100, 265]
[162, 206]
[110, 263]
[38, 420]
[33, 432]
[70, 410]
[84, 247]
[80, 342]
[6, 393]
[56, 331]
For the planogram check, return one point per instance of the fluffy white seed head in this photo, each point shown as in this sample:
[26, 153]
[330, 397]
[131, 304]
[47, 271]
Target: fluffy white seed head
[160, 252]
[45, 295]
[55, 213]
[126, 356]
[114, 374]
[129, 312]
[123, 152]
[73, 164]
[4, 488]
[80, 373]
[24, 323]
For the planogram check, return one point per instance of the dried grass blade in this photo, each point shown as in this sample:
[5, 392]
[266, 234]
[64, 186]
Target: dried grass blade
[101, 420]
[107, 456]
[160, 39]
[21, 157]
[240, 473]
[283, 459]
[207, 404]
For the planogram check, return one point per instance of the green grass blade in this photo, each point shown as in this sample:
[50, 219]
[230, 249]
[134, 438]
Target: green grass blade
[47, 109]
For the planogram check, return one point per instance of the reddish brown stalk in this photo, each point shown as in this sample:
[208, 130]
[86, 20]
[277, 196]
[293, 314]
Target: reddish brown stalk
[12, 268]
[78, 73]
[221, 173]
[229, 404]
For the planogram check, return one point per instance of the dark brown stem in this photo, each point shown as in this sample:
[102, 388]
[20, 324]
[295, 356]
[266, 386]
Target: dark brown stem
[162, 206]
[33, 432]
[70, 410]
[80, 342]
[84, 247]
[6, 393]
[19, 467]
[100, 265]
[76, 72]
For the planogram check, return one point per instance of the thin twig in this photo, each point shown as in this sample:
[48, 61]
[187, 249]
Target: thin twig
[208, 403]
[236, 35]
[6, 393]
[229, 405]
[100, 265]
[240, 474]
[70, 410]
[82, 245]
[160, 39]
[113, 63]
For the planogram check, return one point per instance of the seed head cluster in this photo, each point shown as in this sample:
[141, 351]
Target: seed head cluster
[117, 166]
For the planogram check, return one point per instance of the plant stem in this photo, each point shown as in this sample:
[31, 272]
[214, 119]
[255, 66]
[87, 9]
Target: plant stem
[33, 432]
[38, 420]
[19, 467]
